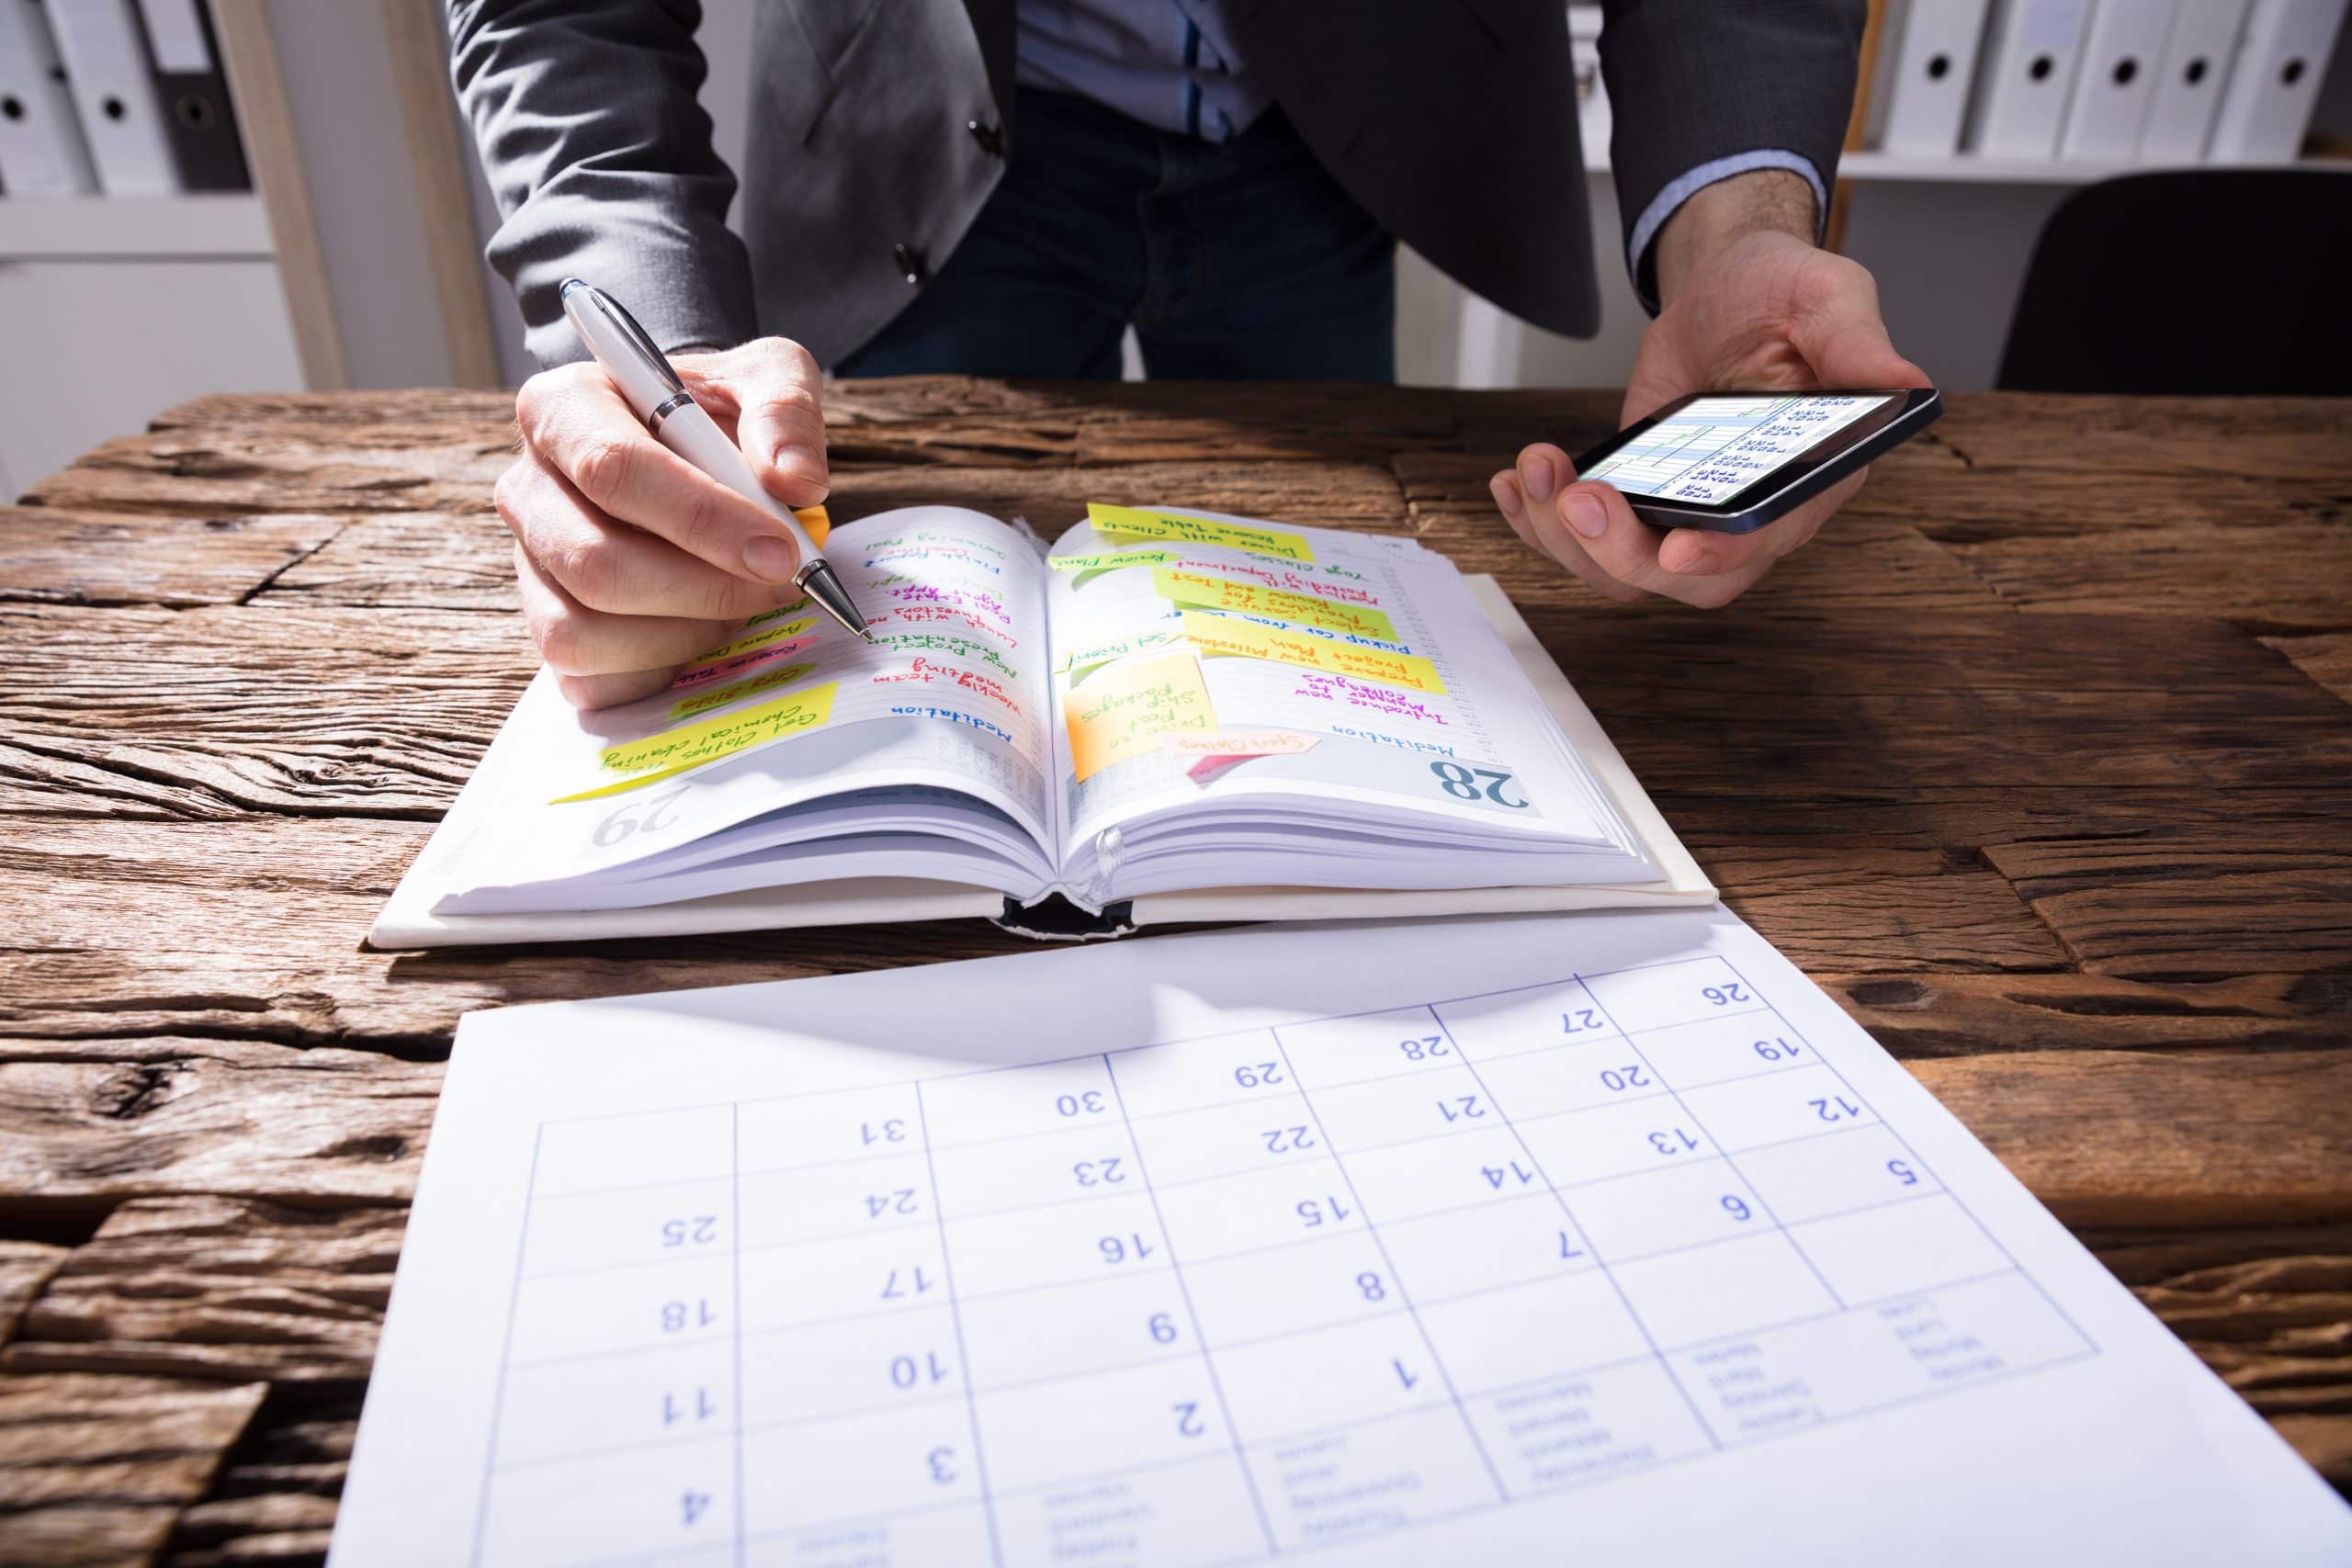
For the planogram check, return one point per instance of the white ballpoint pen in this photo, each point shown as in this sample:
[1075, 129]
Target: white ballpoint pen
[655, 395]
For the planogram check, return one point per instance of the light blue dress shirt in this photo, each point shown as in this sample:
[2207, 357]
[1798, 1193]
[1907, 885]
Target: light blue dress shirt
[1171, 64]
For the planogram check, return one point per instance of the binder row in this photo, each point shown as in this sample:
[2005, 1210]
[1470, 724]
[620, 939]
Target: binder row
[113, 96]
[2108, 81]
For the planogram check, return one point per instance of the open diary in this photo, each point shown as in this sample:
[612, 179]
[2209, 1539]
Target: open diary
[1172, 716]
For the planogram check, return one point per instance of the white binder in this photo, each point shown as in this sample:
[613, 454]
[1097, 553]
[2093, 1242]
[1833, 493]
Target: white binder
[2274, 84]
[106, 62]
[2197, 53]
[2117, 82]
[1925, 62]
[41, 151]
[2021, 87]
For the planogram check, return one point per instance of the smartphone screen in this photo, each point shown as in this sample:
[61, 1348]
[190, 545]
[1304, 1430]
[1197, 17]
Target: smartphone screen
[1712, 448]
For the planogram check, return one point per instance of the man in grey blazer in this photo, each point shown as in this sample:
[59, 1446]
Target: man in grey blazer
[1005, 186]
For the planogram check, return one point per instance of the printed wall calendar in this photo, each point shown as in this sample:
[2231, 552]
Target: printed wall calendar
[1485, 1238]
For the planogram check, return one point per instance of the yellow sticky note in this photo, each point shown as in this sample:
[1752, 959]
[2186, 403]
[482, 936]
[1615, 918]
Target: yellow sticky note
[1248, 639]
[1104, 562]
[1280, 543]
[1127, 707]
[703, 702]
[817, 520]
[691, 745]
[1207, 590]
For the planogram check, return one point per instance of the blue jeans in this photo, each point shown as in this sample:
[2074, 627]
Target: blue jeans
[1240, 260]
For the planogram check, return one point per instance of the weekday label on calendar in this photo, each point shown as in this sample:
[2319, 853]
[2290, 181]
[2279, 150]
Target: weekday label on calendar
[1604, 1237]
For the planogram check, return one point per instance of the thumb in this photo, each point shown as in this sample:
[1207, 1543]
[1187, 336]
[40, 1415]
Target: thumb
[776, 395]
[1842, 335]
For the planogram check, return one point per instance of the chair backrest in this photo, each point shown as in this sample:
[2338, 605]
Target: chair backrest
[2204, 281]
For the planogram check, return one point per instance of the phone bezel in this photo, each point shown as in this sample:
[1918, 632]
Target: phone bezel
[1908, 411]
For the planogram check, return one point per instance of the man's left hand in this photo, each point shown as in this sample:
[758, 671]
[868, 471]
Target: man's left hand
[1750, 304]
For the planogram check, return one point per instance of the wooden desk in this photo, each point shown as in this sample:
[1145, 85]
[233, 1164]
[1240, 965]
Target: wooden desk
[2040, 760]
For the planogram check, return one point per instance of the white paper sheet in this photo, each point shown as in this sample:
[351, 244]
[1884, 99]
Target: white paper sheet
[1606, 1238]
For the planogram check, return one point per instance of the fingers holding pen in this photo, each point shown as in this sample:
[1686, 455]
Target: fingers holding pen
[614, 566]
[601, 659]
[578, 424]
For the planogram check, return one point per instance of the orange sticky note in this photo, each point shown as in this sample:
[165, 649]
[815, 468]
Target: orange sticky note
[1123, 708]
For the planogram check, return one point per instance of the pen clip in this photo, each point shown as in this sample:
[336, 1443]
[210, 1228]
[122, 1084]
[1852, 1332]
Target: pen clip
[614, 313]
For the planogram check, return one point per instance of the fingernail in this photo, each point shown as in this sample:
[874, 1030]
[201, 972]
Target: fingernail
[1585, 513]
[771, 560]
[1506, 495]
[1538, 479]
[798, 463]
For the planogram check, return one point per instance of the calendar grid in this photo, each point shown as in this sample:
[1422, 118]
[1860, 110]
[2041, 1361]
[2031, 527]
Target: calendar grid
[1656, 1373]
[1568, 1213]
[1958, 1202]
[1695, 1456]
[956, 1314]
[1404, 1293]
[1208, 1362]
[1723, 1151]
[735, 1251]
[506, 1345]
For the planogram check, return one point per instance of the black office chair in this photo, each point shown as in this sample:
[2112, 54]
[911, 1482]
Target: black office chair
[2204, 281]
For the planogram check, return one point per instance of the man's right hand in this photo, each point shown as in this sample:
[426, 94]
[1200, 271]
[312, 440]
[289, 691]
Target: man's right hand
[632, 560]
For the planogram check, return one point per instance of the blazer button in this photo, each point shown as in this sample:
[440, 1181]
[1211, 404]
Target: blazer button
[989, 137]
[912, 262]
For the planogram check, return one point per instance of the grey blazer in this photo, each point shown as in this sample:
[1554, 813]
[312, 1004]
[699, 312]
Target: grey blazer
[879, 127]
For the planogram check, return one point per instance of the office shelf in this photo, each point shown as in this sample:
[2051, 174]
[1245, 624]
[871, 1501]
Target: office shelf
[133, 228]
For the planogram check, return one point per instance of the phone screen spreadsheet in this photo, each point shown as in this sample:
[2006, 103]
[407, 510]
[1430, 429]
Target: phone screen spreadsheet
[1569, 1223]
[1713, 448]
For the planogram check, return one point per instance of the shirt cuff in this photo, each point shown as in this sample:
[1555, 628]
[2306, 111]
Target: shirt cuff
[1655, 215]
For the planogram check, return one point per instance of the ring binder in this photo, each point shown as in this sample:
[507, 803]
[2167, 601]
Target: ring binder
[198, 116]
[41, 149]
[106, 64]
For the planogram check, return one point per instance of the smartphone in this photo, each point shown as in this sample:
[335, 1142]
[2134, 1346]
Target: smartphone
[1733, 461]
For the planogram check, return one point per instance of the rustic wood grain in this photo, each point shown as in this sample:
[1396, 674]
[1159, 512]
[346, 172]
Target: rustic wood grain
[1337, 494]
[190, 475]
[405, 560]
[94, 1470]
[1938, 1013]
[274, 1501]
[2118, 1138]
[2266, 1308]
[2037, 760]
[2327, 660]
[211, 1116]
[2192, 902]
[254, 927]
[2108, 510]
[25, 1267]
[2258, 440]
[252, 930]
[2271, 576]
[50, 555]
[220, 1288]
[335, 711]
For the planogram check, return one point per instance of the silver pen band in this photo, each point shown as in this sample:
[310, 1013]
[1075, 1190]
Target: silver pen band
[670, 405]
